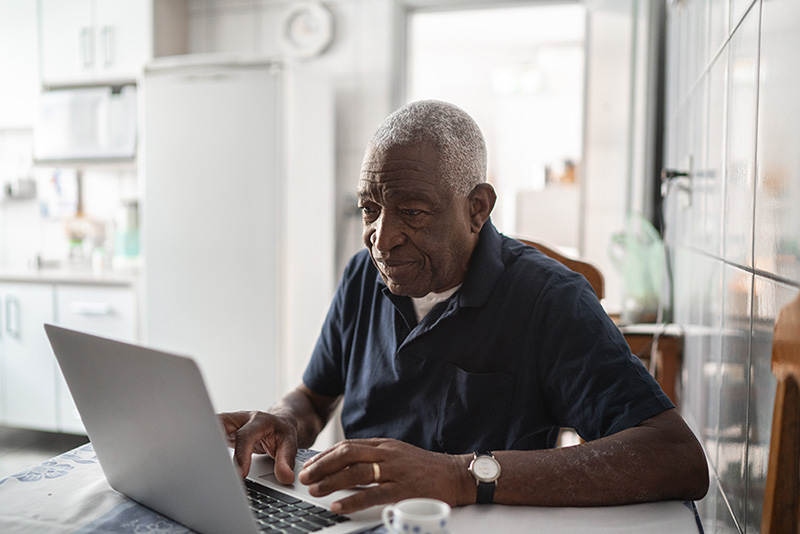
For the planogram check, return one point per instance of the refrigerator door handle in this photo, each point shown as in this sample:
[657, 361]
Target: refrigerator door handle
[12, 317]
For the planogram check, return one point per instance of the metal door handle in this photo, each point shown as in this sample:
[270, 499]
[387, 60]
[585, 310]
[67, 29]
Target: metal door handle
[669, 174]
[107, 35]
[673, 178]
[87, 47]
[90, 308]
[12, 317]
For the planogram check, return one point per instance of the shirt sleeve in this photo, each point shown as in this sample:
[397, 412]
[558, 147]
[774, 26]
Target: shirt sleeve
[592, 381]
[326, 370]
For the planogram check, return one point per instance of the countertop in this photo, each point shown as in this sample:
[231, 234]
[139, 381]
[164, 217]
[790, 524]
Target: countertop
[71, 276]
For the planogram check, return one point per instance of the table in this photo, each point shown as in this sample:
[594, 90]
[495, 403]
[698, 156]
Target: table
[665, 364]
[70, 494]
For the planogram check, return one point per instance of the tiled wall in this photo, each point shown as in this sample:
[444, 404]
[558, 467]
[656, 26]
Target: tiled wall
[733, 228]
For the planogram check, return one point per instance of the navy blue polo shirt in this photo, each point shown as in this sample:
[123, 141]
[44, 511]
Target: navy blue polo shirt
[520, 350]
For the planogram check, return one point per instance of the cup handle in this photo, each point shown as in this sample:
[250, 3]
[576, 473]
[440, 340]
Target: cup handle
[387, 515]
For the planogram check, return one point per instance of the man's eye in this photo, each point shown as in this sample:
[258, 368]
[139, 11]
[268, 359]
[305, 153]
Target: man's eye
[367, 212]
[412, 212]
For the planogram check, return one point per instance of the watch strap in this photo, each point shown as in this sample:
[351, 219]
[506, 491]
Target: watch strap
[486, 492]
[485, 489]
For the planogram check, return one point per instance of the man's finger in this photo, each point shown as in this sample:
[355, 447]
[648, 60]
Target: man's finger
[285, 454]
[244, 446]
[229, 425]
[381, 494]
[339, 457]
[361, 474]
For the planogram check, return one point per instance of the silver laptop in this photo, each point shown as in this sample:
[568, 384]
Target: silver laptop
[159, 441]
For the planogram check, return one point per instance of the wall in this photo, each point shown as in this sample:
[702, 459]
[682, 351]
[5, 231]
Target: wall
[733, 228]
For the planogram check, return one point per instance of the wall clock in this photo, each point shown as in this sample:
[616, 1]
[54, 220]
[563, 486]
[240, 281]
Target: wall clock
[306, 29]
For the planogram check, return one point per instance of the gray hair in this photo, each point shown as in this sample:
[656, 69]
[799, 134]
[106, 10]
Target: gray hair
[449, 129]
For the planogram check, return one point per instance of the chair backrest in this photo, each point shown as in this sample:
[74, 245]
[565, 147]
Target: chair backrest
[589, 271]
[782, 494]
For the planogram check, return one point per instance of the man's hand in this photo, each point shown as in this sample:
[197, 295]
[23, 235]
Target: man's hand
[405, 471]
[262, 433]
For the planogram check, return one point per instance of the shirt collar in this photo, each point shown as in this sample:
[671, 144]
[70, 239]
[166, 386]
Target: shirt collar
[485, 269]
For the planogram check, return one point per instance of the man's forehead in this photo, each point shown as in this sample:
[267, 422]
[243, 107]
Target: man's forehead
[397, 169]
[420, 157]
[404, 187]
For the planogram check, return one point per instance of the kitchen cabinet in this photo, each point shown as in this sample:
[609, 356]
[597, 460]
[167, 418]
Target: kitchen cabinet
[94, 40]
[27, 367]
[105, 311]
[18, 62]
[33, 393]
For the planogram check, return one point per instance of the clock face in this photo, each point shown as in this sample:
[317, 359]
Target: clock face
[307, 29]
[486, 468]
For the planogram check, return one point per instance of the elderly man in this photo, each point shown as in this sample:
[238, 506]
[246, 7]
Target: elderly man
[459, 353]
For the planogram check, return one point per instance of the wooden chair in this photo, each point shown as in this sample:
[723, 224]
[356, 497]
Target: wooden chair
[589, 271]
[782, 493]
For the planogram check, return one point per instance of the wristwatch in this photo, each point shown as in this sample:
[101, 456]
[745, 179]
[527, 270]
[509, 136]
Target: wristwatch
[485, 469]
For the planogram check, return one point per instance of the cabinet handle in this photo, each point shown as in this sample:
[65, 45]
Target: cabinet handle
[90, 308]
[12, 317]
[87, 47]
[107, 36]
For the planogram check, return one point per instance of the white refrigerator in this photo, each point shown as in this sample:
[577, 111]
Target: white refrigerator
[237, 220]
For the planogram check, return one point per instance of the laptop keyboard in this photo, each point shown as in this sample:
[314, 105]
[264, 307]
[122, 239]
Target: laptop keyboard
[279, 513]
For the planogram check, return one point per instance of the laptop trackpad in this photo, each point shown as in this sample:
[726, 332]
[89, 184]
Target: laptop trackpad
[261, 466]
[262, 470]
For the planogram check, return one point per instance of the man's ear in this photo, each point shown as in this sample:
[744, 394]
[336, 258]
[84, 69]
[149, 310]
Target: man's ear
[481, 204]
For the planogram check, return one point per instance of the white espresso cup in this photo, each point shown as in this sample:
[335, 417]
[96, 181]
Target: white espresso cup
[417, 516]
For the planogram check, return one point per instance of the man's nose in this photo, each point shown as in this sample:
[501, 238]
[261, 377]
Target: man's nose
[387, 233]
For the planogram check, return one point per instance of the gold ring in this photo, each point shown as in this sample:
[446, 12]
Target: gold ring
[376, 472]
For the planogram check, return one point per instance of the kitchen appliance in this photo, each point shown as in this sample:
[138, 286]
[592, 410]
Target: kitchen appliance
[85, 124]
[237, 220]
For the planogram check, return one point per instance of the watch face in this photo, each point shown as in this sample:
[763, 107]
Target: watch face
[486, 468]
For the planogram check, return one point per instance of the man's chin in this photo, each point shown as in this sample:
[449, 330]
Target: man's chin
[405, 290]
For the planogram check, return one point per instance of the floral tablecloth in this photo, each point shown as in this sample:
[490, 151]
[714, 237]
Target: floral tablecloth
[70, 494]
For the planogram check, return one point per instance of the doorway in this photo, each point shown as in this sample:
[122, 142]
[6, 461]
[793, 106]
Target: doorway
[519, 71]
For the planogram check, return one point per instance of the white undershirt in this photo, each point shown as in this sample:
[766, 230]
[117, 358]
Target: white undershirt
[424, 304]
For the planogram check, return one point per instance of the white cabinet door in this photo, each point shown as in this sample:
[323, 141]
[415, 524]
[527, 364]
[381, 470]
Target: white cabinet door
[18, 64]
[28, 383]
[101, 310]
[124, 37]
[94, 40]
[67, 39]
[104, 311]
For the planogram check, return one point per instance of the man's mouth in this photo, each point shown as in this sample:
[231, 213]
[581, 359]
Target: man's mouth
[391, 266]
